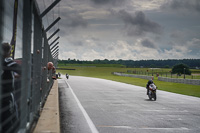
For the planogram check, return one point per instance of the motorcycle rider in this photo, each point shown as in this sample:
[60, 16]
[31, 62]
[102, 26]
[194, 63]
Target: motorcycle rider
[67, 75]
[147, 86]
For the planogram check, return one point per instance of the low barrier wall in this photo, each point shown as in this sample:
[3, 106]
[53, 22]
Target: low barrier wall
[134, 76]
[184, 81]
[174, 80]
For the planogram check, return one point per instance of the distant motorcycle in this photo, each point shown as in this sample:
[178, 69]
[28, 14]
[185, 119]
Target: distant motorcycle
[67, 76]
[152, 92]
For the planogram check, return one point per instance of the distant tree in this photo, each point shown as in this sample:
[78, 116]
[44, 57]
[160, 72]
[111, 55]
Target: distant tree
[153, 66]
[180, 69]
[166, 66]
[192, 63]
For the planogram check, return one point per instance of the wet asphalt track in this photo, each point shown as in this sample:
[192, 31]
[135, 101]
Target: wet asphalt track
[97, 105]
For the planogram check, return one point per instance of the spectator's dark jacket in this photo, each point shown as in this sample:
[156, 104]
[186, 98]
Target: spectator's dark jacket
[9, 113]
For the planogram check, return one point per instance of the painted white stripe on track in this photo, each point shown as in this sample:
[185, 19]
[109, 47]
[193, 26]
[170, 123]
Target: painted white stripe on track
[89, 121]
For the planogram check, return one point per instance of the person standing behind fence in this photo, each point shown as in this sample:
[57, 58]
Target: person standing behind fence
[9, 110]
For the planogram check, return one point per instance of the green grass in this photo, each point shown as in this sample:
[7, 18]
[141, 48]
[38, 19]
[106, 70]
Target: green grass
[105, 73]
[90, 65]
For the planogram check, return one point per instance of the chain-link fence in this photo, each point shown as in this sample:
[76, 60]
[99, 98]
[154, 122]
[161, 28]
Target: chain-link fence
[23, 94]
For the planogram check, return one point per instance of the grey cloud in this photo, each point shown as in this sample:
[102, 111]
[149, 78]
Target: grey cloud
[178, 35]
[95, 39]
[110, 48]
[175, 35]
[138, 23]
[73, 20]
[189, 5]
[112, 2]
[171, 43]
[148, 43]
[76, 21]
[63, 33]
[70, 13]
[70, 23]
[78, 43]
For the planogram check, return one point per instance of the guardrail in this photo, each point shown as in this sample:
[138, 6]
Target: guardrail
[184, 81]
[21, 26]
[174, 80]
[134, 76]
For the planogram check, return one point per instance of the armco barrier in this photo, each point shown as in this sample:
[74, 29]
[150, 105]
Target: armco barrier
[184, 81]
[174, 80]
[134, 76]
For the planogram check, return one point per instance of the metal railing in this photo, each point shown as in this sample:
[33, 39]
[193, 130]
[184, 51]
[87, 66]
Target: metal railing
[32, 52]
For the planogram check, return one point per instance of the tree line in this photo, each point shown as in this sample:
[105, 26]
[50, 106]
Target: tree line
[169, 63]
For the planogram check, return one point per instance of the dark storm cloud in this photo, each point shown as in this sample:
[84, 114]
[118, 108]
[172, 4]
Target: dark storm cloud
[191, 5]
[138, 23]
[148, 43]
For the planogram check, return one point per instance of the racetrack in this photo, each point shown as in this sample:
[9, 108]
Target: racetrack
[98, 105]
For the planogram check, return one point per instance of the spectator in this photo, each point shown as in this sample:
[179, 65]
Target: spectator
[50, 65]
[9, 114]
[51, 71]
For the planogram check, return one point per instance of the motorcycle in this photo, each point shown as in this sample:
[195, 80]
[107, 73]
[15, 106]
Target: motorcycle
[152, 92]
[67, 76]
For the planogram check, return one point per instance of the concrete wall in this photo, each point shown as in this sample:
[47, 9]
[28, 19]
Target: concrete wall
[184, 81]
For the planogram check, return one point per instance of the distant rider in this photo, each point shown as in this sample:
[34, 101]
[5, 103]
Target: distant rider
[67, 75]
[59, 74]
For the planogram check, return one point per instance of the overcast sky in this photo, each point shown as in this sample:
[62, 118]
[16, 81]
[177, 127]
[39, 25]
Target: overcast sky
[126, 29]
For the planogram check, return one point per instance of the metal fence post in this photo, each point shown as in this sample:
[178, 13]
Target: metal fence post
[26, 64]
[37, 56]
[50, 59]
[45, 60]
[1, 38]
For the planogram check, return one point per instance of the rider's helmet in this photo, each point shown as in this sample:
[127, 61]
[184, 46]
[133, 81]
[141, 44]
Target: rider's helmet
[150, 82]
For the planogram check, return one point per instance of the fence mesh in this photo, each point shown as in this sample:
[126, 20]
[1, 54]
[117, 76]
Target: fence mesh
[26, 79]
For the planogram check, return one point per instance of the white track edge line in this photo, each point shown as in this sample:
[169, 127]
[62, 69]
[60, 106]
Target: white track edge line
[89, 121]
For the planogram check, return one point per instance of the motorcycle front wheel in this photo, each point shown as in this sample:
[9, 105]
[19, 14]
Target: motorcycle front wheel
[150, 96]
[154, 96]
